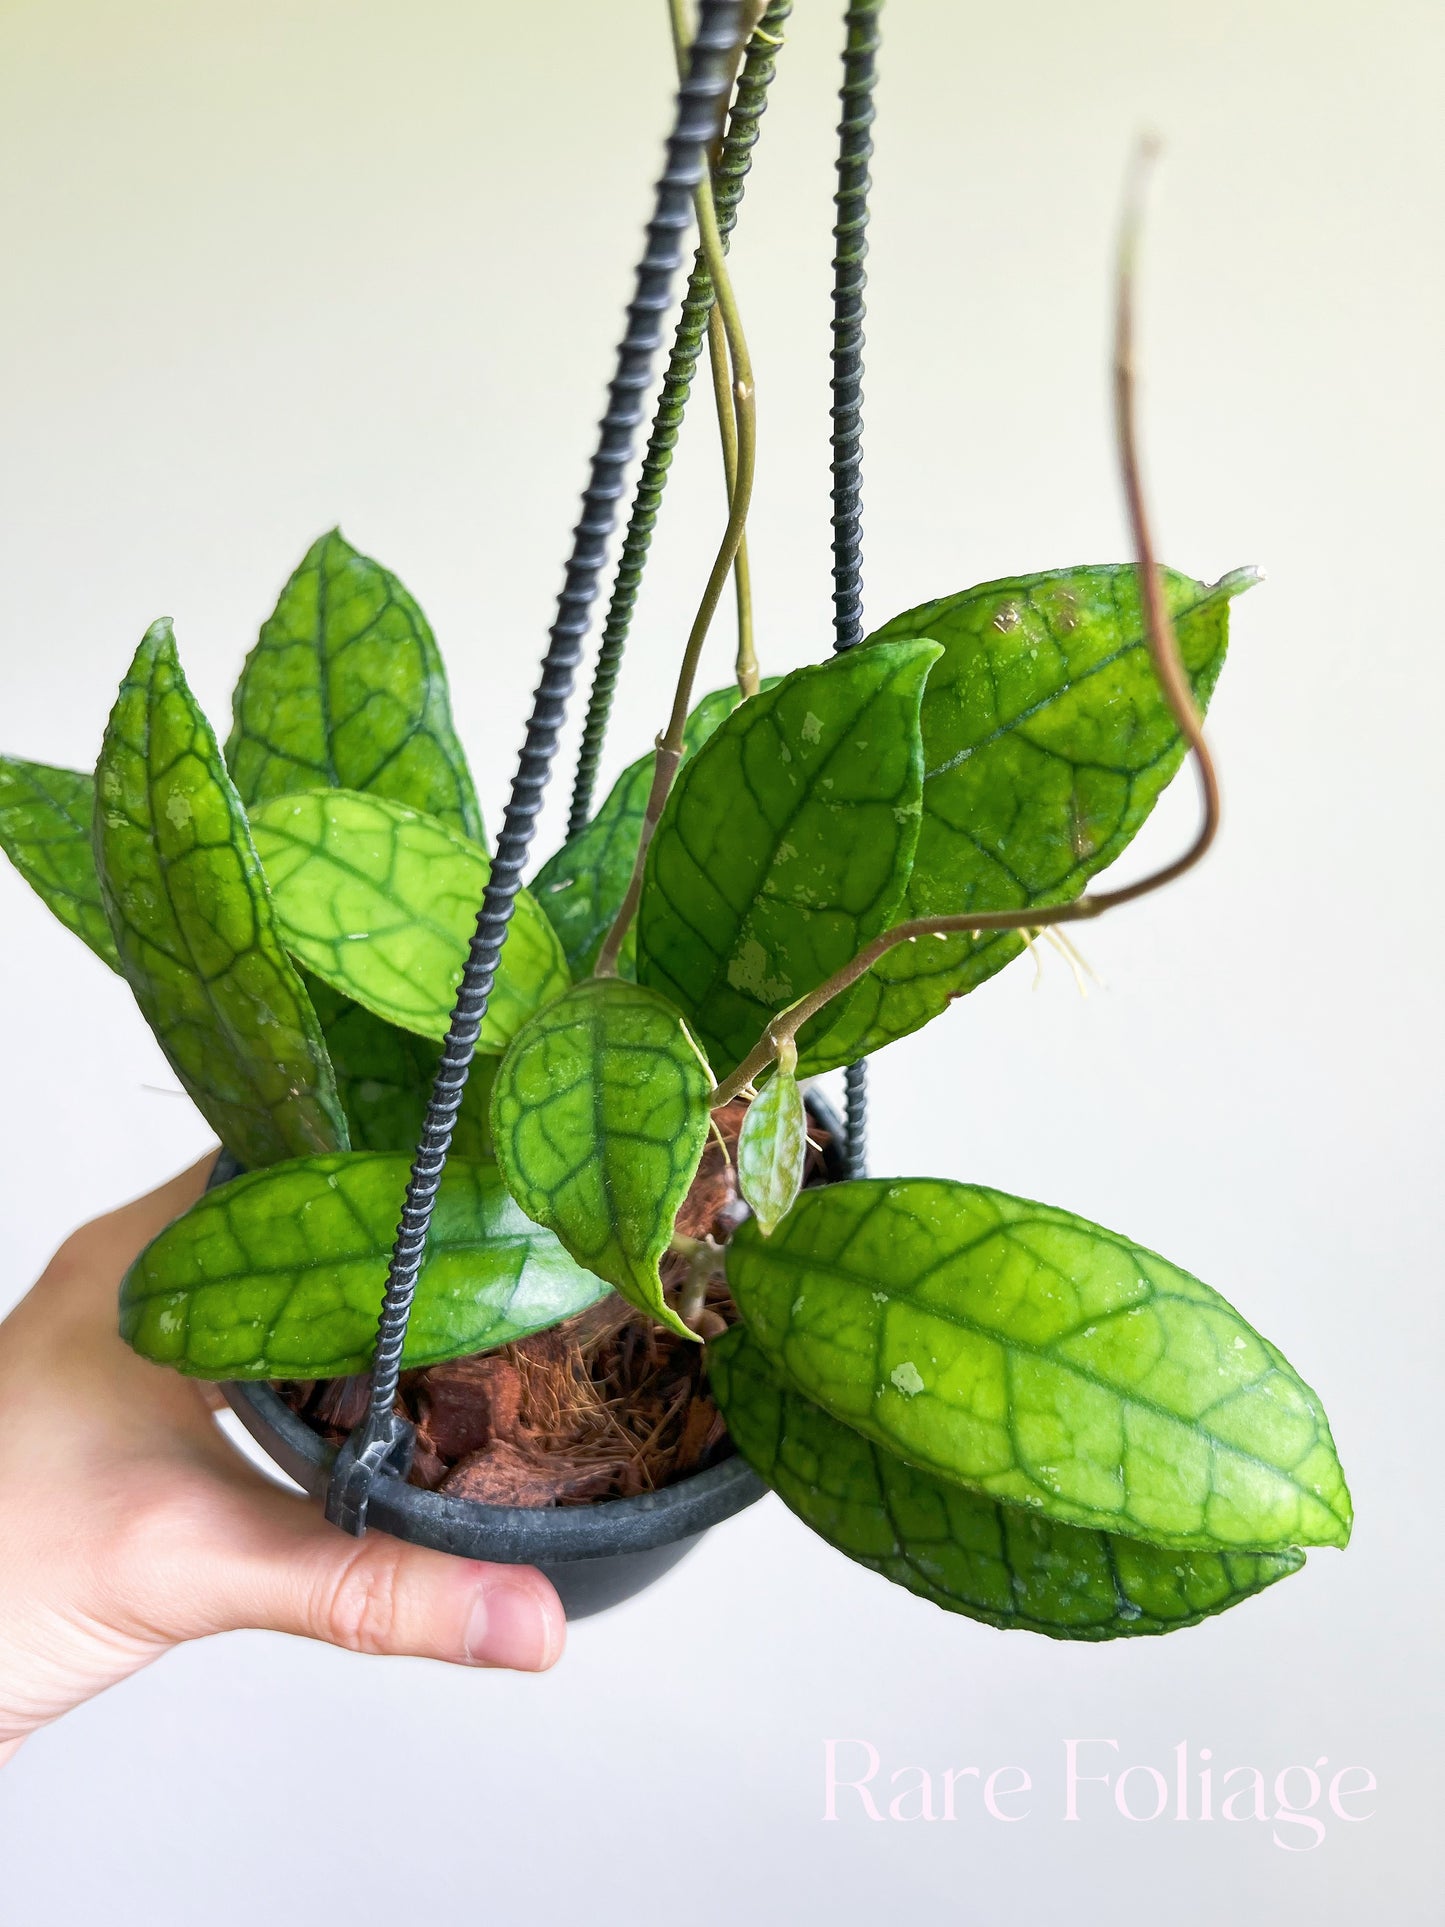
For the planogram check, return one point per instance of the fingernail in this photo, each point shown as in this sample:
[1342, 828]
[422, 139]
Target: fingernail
[509, 1626]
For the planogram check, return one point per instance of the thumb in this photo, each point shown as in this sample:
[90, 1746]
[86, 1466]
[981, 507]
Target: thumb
[285, 1569]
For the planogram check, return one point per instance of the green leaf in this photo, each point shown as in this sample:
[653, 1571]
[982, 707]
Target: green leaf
[785, 844]
[280, 1273]
[998, 1563]
[599, 1116]
[192, 921]
[1041, 1360]
[45, 830]
[581, 888]
[346, 688]
[384, 1078]
[1047, 742]
[772, 1150]
[381, 902]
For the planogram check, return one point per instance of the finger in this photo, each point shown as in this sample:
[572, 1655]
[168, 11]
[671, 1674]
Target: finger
[282, 1567]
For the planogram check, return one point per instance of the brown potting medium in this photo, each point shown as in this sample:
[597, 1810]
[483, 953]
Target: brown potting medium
[607, 1405]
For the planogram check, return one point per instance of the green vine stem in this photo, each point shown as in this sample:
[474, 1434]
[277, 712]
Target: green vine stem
[1168, 666]
[670, 744]
[723, 377]
[734, 158]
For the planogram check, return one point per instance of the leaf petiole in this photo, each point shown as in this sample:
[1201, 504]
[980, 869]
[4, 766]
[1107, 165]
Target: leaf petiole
[705, 1260]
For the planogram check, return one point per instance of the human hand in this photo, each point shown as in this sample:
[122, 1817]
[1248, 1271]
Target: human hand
[128, 1523]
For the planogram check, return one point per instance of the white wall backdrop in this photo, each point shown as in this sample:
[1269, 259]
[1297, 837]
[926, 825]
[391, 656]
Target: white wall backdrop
[271, 267]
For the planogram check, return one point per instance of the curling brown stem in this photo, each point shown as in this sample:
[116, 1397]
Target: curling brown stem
[1169, 667]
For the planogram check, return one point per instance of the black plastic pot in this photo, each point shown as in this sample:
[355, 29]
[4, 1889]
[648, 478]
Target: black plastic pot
[595, 1555]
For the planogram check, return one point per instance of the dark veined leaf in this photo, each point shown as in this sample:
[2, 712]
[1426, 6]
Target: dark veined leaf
[346, 688]
[581, 888]
[1001, 1564]
[1047, 742]
[280, 1273]
[45, 830]
[192, 921]
[381, 902]
[599, 1117]
[773, 1149]
[785, 844]
[1044, 1361]
[384, 1078]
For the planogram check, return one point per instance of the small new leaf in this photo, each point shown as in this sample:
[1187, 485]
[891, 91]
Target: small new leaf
[785, 844]
[280, 1273]
[581, 888]
[772, 1150]
[45, 829]
[1041, 1360]
[1001, 1564]
[599, 1117]
[346, 688]
[193, 925]
[1047, 741]
[381, 902]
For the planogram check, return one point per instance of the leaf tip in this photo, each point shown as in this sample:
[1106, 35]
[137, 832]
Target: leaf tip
[1237, 581]
[160, 638]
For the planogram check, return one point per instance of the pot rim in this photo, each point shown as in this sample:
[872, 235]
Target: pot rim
[515, 1534]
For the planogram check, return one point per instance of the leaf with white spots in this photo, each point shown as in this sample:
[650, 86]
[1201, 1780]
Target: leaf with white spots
[1038, 1359]
[1001, 1564]
[1047, 741]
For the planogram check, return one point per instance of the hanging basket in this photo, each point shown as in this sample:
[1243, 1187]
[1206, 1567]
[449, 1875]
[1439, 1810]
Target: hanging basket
[1077, 1467]
[596, 1555]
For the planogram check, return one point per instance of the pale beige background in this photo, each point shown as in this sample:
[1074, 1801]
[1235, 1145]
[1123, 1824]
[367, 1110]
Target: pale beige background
[273, 266]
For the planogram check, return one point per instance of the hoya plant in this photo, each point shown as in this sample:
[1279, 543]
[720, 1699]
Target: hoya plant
[999, 1405]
